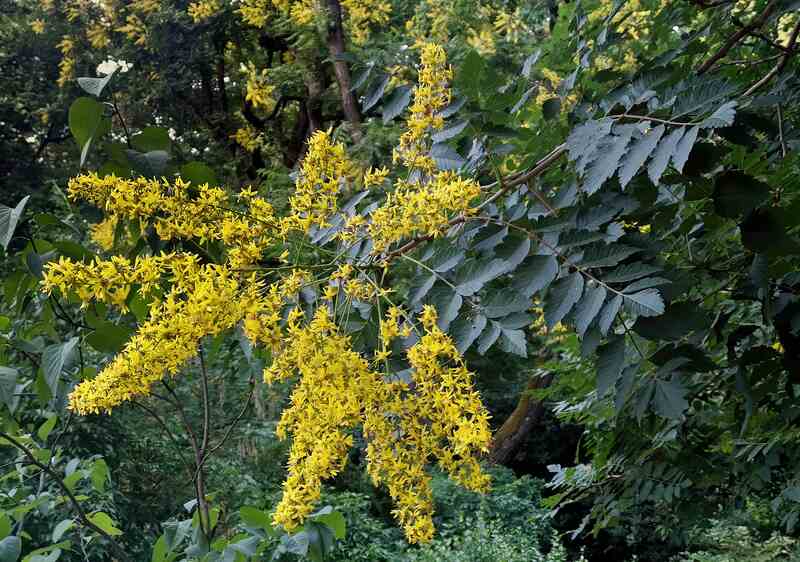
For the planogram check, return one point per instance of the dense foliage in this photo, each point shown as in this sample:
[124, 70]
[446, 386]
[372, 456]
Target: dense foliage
[295, 279]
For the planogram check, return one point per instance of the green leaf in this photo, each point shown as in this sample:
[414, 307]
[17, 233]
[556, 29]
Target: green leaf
[584, 139]
[62, 527]
[535, 274]
[398, 100]
[109, 337]
[645, 303]
[254, 517]
[447, 303]
[610, 152]
[561, 297]
[55, 359]
[8, 384]
[84, 118]
[44, 430]
[610, 361]
[670, 398]
[662, 155]
[466, 329]
[104, 521]
[95, 86]
[470, 72]
[449, 132]
[5, 525]
[376, 94]
[10, 549]
[446, 157]
[683, 148]
[606, 255]
[420, 286]
[503, 303]
[678, 320]
[724, 116]
[513, 341]
[99, 475]
[8, 221]
[248, 546]
[198, 173]
[629, 272]
[472, 275]
[152, 139]
[444, 257]
[149, 164]
[160, 550]
[640, 151]
[335, 522]
[588, 307]
[551, 108]
[736, 194]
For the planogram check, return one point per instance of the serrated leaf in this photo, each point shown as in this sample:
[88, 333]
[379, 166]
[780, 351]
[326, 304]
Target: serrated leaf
[503, 303]
[629, 272]
[377, 92]
[645, 303]
[489, 238]
[724, 116]
[450, 132]
[584, 139]
[610, 360]
[513, 341]
[466, 329]
[420, 287]
[513, 252]
[662, 155]
[536, 273]
[637, 155]
[683, 148]
[489, 336]
[445, 257]
[646, 283]
[9, 218]
[610, 152]
[446, 157]
[670, 398]
[588, 307]
[606, 255]
[447, 303]
[397, 102]
[608, 314]
[516, 320]
[472, 275]
[561, 297]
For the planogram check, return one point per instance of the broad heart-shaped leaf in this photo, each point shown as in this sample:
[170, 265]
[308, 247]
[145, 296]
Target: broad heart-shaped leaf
[536, 273]
[588, 307]
[736, 194]
[152, 138]
[8, 221]
[582, 142]
[84, 118]
[670, 397]
[561, 297]
[466, 329]
[640, 151]
[55, 359]
[663, 153]
[489, 336]
[10, 549]
[198, 173]
[611, 151]
[377, 93]
[471, 276]
[450, 132]
[610, 360]
[505, 302]
[335, 521]
[645, 303]
[608, 314]
[398, 100]
[684, 147]
[109, 337]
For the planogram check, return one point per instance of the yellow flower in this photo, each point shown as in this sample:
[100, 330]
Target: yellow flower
[203, 10]
[37, 26]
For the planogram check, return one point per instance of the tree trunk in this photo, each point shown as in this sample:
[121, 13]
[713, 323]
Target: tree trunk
[336, 48]
[508, 438]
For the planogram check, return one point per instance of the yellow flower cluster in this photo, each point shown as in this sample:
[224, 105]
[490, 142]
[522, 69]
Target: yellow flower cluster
[110, 281]
[323, 174]
[134, 29]
[98, 36]
[248, 138]
[440, 417]
[66, 67]
[482, 41]
[176, 214]
[360, 14]
[512, 25]
[37, 26]
[431, 95]
[421, 210]
[203, 10]
[202, 304]
[258, 90]
[255, 12]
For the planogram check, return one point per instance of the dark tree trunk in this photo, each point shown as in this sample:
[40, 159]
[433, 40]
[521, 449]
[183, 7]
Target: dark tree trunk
[336, 48]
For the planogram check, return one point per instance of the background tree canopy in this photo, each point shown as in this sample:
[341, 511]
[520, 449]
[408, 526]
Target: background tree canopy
[399, 280]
